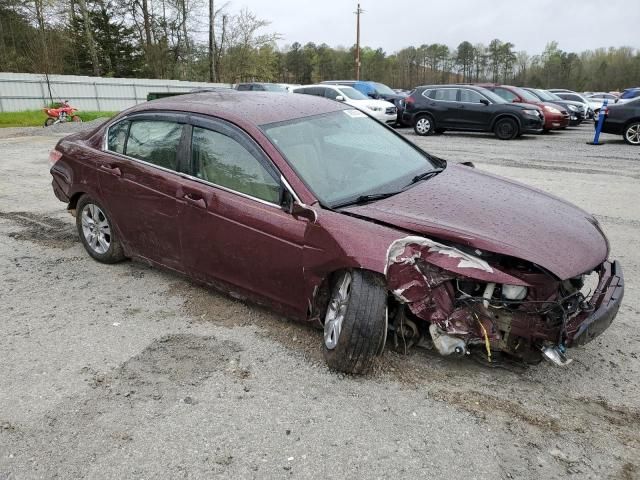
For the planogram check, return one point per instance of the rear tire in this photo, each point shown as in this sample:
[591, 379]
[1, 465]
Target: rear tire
[424, 125]
[356, 321]
[632, 133]
[506, 129]
[96, 231]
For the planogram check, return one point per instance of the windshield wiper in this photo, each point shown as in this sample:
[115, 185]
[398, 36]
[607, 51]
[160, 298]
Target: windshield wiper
[426, 175]
[367, 198]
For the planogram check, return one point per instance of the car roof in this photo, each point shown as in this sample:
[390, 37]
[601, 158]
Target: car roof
[258, 108]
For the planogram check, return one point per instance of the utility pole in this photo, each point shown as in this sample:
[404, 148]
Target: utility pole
[358, 12]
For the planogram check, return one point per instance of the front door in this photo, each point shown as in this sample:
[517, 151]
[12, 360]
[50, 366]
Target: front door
[233, 229]
[474, 115]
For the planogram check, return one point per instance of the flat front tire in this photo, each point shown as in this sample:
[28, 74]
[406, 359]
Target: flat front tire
[355, 326]
[96, 231]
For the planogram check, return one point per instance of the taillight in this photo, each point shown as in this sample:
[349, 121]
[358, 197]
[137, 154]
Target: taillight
[54, 156]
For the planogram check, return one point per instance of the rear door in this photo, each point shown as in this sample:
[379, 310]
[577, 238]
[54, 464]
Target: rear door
[445, 107]
[233, 228]
[138, 177]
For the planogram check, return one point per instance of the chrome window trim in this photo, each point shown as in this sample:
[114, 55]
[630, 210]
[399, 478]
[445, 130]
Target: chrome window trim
[186, 176]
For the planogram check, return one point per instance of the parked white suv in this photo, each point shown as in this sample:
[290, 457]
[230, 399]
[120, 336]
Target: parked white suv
[379, 109]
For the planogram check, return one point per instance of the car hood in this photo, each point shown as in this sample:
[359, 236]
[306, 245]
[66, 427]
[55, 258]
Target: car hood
[473, 208]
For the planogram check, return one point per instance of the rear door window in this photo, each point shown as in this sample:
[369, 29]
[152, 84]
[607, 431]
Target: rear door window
[223, 161]
[155, 142]
[317, 91]
[445, 94]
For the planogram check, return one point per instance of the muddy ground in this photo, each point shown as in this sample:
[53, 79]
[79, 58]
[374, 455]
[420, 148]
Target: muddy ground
[129, 372]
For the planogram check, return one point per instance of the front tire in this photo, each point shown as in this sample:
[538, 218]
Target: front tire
[632, 134]
[49, 121]
[355, 326]
[424, 125]
[96, 231]
[506, 129]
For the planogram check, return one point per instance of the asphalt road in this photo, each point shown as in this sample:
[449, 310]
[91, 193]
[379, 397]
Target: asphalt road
[129, 372]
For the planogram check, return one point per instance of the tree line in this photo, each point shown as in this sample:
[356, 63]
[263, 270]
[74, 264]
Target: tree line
[203, 40]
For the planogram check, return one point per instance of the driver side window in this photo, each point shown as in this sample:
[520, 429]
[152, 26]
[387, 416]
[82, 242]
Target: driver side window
[331, 93]
[221, 160]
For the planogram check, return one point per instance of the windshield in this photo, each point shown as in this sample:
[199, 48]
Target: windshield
[526, 95]
[270, 87]
[346, 154]
[383, 89]
[352, 93]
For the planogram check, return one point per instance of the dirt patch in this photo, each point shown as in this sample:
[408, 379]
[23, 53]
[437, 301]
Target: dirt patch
[41, 229]
[169, 363]
[629, 471]
[482, 405]
[208, 305]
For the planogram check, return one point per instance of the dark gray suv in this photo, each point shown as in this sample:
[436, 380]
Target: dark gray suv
[436, 108]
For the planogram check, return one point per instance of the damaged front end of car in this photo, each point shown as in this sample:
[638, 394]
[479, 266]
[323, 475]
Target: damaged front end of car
[467, 300]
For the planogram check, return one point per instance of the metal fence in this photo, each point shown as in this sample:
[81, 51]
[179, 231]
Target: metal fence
[28, 91]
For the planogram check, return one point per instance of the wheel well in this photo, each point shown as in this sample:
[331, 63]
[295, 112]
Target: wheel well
[322, 293]
[73, 201]
[506, 115]
[633, 120]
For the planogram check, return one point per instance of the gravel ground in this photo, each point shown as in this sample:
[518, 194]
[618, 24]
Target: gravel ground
[129, 372]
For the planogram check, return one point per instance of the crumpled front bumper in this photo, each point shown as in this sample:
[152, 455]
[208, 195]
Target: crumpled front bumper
[606, 300]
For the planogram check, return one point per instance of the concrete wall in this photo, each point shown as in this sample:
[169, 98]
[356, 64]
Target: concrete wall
[28, 91]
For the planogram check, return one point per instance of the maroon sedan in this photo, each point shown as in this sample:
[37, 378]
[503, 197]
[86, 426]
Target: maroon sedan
[327, 215]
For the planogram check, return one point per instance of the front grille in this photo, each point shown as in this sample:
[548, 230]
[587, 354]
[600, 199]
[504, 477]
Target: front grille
[390, 110]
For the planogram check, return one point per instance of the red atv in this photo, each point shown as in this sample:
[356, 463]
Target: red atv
[63, 113]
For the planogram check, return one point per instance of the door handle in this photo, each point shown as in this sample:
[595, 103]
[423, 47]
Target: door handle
[195, 201]
[113, 170]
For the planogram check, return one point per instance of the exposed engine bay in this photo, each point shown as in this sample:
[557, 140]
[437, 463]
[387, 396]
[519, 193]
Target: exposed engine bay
[468, 300]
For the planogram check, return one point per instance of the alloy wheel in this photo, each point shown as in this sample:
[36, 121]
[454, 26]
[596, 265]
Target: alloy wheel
[336, 311]
[632, 134]
[96, 228]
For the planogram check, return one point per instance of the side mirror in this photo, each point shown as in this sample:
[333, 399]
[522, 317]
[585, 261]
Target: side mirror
[293, 206]
[484, 101]
[340, 98]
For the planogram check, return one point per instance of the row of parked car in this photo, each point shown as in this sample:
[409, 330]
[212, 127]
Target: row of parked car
[507, 111]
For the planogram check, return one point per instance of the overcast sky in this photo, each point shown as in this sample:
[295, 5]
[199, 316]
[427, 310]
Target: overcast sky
[394, 24]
